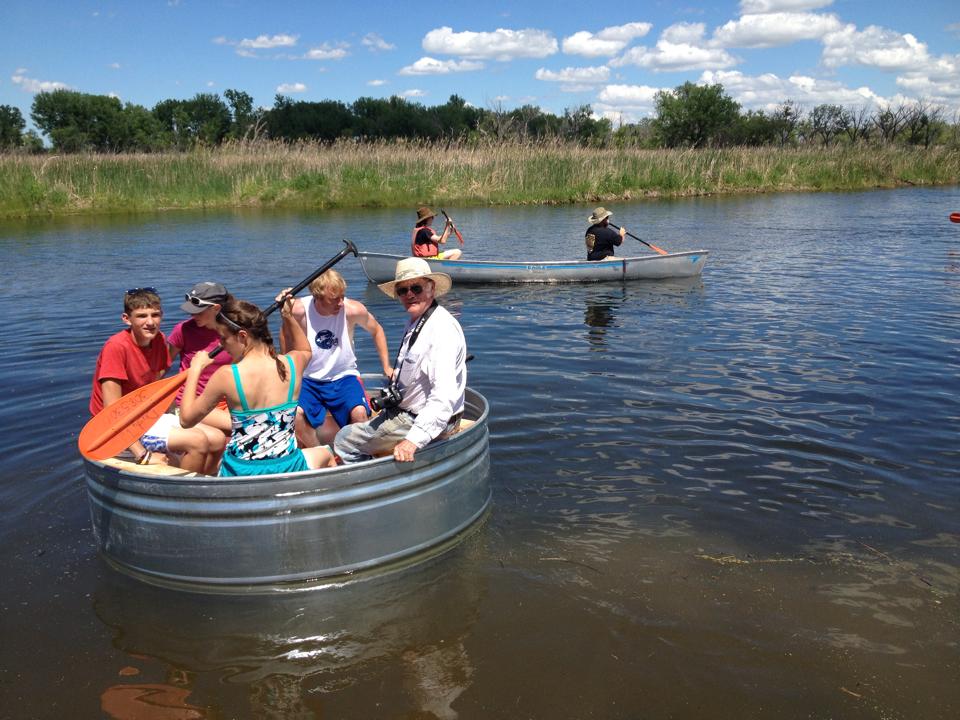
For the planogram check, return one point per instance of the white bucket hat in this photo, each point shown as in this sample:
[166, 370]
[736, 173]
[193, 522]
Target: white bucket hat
[412, 268]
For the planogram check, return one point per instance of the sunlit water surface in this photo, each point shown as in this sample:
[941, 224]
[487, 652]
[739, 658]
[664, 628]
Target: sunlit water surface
[730, 497]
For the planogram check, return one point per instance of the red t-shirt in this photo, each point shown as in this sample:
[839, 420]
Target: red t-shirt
[123, 360]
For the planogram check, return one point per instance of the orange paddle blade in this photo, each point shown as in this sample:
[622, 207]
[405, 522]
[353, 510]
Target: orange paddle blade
[118, 426]
[656, 249]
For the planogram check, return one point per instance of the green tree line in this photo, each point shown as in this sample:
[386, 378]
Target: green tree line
[689, 116]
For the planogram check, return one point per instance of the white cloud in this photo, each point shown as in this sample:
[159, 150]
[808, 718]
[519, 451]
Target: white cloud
[775, 29]
[767, 91]
[629, 95]
[581, 75]
[432, 66]
[114, 66]
[939, 82]
[626, 103]
[210, 83]
[772, 6]
[31, 85]
[327, 52]
[500, 44]
[220, 40]
[264, 42]
[376, 83]
[575, 79]
[680, 47]
[375, 43]
[413, 93]
[874, 47]
[284, 88]
[607, 42]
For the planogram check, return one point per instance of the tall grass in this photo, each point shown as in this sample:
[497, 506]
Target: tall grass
[401, 174]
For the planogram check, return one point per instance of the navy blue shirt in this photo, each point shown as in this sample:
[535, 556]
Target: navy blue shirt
[607, 239]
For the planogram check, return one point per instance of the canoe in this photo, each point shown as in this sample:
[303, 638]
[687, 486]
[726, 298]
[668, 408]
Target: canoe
[379, 268]
[296, 530]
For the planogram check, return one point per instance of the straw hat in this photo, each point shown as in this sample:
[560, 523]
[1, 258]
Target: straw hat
[413, 268]
[425, 213]
[599, 215]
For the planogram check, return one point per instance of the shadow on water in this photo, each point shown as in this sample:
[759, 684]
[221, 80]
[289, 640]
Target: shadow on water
[282, 655]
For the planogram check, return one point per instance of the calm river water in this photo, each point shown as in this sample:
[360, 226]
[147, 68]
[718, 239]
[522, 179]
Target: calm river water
[729, 498]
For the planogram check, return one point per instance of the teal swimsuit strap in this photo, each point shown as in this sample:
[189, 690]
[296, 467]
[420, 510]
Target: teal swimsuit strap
[293, 379]
[236, 380]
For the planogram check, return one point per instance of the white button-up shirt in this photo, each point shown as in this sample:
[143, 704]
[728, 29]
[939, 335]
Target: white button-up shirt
[432, 375]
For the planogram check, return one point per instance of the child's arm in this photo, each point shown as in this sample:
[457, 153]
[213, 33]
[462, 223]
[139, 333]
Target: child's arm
[194, 409]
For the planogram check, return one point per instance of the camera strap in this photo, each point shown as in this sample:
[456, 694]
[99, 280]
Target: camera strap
[413, 338]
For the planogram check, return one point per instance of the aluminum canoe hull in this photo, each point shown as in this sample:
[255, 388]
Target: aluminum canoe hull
[380, 267]
[292, 531]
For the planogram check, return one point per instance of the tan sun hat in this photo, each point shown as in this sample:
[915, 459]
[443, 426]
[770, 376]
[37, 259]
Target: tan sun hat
[599, 215]
[423, 213]
[413, 268]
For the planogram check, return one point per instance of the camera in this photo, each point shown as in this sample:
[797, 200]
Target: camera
[389, 397]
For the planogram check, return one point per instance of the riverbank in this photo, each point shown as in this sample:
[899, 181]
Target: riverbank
[405, 174]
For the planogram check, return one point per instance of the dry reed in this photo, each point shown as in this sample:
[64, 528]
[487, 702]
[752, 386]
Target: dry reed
[401, 174]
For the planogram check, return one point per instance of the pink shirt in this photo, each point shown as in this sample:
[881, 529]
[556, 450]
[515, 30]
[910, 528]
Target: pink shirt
[191, 338]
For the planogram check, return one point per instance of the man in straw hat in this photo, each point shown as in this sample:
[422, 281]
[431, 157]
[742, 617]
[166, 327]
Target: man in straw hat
[425, 398]
[600, 237]
[424, 241]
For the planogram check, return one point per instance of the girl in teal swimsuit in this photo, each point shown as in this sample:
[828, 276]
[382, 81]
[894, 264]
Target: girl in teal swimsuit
[261, 390]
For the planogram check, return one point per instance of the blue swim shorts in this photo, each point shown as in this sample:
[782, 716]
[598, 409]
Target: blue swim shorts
[338, 396]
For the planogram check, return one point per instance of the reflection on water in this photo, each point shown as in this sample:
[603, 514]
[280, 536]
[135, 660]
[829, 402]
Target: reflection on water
[280, 651]
[600, 314]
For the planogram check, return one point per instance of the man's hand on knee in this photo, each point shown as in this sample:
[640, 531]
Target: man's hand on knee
[404, 451]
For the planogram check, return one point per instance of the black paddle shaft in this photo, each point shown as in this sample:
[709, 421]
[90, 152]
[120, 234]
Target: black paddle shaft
[617, 227]
[350, 249]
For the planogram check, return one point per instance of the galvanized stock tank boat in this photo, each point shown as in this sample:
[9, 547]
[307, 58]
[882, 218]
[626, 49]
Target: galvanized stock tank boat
[299, 530]
[380, 268]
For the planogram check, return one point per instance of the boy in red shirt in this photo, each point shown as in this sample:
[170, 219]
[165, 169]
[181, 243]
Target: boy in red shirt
[135, 357]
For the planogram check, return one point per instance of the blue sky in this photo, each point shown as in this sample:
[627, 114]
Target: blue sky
[555, 54]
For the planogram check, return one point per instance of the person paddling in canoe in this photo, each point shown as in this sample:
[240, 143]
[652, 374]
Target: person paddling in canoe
[261, 390]
[600, 238]
[199, 332]
[135, 357]
[424, 241]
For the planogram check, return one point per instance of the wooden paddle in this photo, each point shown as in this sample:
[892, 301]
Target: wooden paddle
[120, 425]
[649, 245]
[455, 231]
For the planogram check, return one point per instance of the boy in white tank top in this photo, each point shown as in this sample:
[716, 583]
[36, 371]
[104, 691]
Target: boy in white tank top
[331, 394]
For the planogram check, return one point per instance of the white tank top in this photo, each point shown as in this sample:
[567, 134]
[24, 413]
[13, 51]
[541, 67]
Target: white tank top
[333, 356]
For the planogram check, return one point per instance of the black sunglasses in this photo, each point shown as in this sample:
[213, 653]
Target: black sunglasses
[134, 291]
[415, 289]
[198, 302]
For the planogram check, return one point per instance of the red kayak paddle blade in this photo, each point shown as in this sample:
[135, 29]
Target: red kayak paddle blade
[117, 427]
